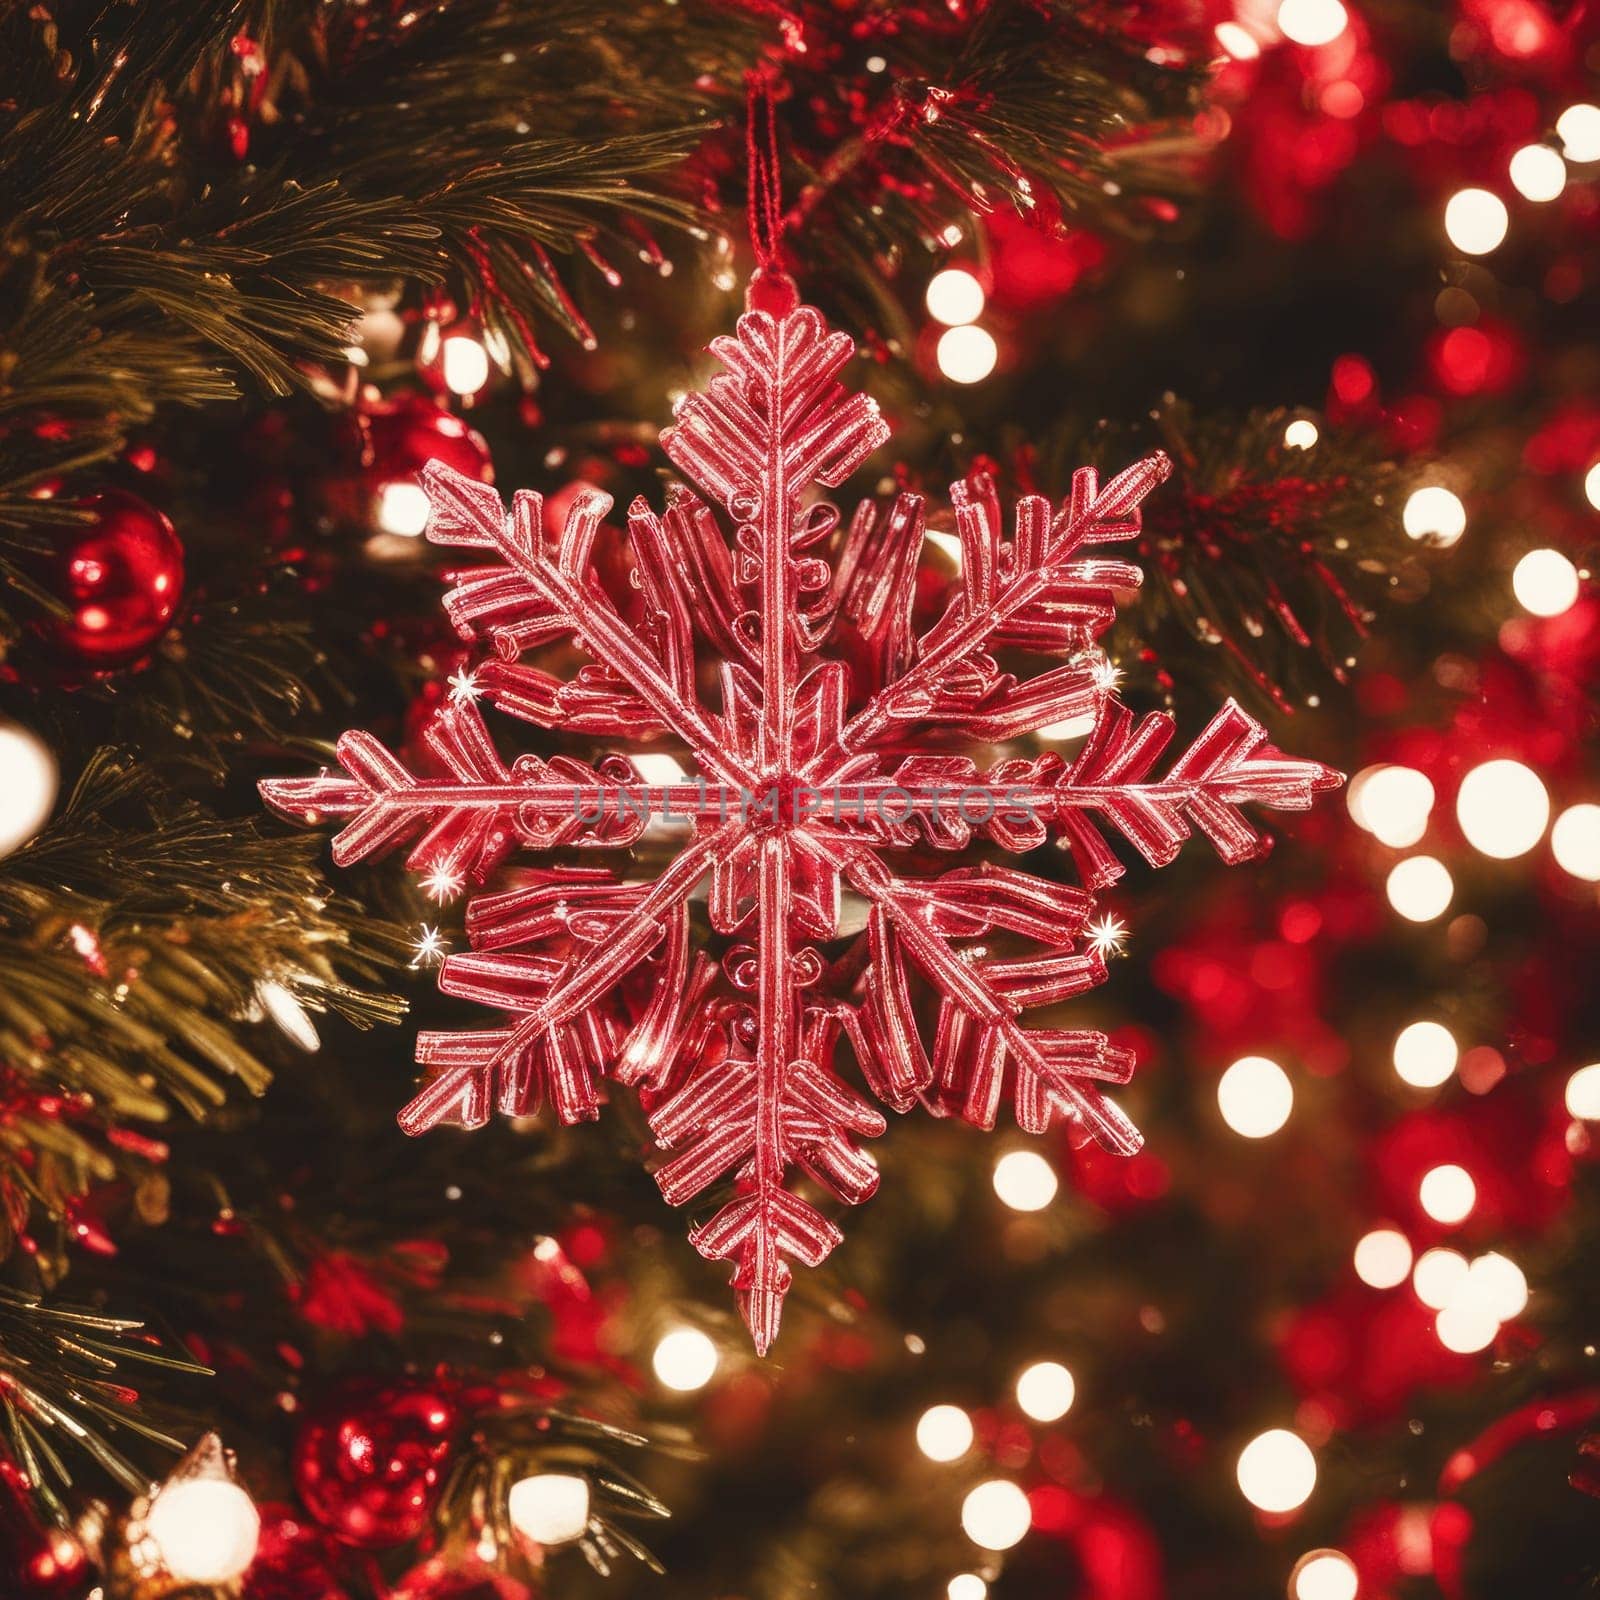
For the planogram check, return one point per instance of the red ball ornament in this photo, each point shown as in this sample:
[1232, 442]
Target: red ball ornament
[441, 1578]
[368, 1466]
[295, 1560]
[398, 439]
[120, 578]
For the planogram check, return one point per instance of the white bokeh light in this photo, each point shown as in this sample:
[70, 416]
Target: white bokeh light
[967, 354]
[1425, 1054]
[944, 1433]
[1497, 1283]
[685, 1360]
[1301, 434]
[1393, 805]
[1503, 809]
[1545, 583]
[966, 1586]
[1312, 22]
[1579, 130]
[402, 508]
[204, 1529]
[996, 1514]
[1438, 1277]
[1045, 1391]
[1538, 173]
[1466, 1327]
[1277, 1471]
[1025, 1181]
[1236, 41]
[1591, 486]
[1434, 515]
[1383, 1258]
[1583, 1093]
[1255, 1097]
[1420, 888]
[464, 364]
[1575, 842]
[955, 297]
[28, 782]
[550, 1508]
[1447, 1193]
[1324, 1575]
[1476, 221]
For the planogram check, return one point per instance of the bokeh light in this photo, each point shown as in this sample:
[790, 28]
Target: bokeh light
[1498, 1284]
[1045, 1391]
[1255, 1097]
[1447, 1193]
[1575, 842]
[1583, 1093]
[1465, 1327]
[1024, 1180]
[1538, 173]
[1578, 128]
[1383, 1258]
[205, 1529]
[1502, 808]
[1425, 1054]
[955, 297]
[685, 1360]
[1434, 515]
[1393, 803]
[1545, 583]
[550, 1508]
[1438, 1277]
[967, 354]
[1324, 1575]
[1301, 434]
[1312, 22]
[1277, 1471]
[1420, 888]
[1475, 221]
[996, 1514]
[944, 1433]
[966, 1586]
[464, 364]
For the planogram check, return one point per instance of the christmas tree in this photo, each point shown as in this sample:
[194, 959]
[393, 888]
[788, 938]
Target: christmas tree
[752, 528]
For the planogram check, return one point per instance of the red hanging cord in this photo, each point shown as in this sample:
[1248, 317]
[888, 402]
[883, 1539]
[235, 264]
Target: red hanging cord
[771, 289]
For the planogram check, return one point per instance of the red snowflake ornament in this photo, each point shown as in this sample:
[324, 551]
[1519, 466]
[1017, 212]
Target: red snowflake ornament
[810, 773]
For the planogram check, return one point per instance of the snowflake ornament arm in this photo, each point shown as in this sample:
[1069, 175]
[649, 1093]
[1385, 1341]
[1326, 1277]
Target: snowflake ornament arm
[837, 745]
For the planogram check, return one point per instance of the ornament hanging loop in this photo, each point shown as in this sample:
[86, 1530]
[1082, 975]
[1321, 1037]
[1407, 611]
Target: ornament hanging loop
[771, 289]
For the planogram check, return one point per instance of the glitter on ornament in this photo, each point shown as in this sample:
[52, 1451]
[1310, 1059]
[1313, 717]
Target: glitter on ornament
[808, 781]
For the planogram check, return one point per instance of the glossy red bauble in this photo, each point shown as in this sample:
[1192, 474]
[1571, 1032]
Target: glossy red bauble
[295, 1560]
[394, 440]
[119, 577]
[440, 1578]
[369, 1464]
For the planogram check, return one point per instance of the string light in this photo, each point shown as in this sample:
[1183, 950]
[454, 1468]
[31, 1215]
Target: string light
[1575, 842]
[944, 1433]
[1434, 515]
[1045, 1391]
[1255, 1097]
[1545, 583]
[550, 1508]
[1438, 1277]
[1277, 1471]
[685, 1360]
[464, 364]
[1591, 485]
[1312, 22]
[1324, 1575]
[1393, 804]
[1579, 130]
[1425, 1054]
[402, 509]
[1420, 888]
[1301, 434]
[1383, 1258]
[1024, 1180]
[1538, 173]
[203, 1526]
[1475, 221]
[996, 1514]
[1447, 1193]
[279, 1003]
[1583, 1093]
[967, 354]
[1502, 808]
[966, 1586]
[27, 786]
[955, 297]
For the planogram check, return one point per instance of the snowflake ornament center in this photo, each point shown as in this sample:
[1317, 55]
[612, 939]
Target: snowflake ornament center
[830, 745]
